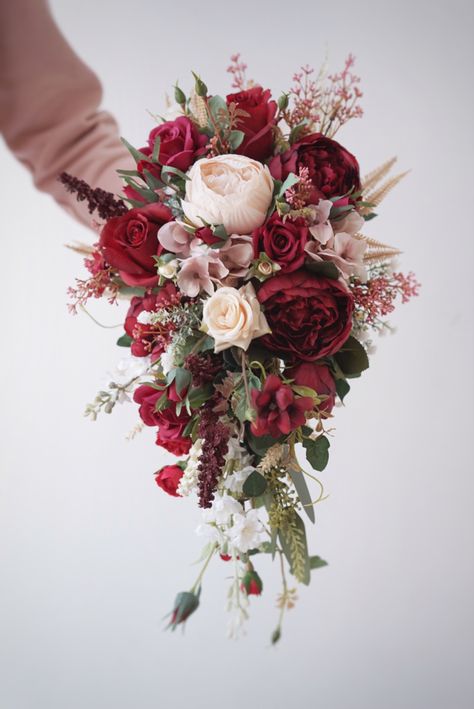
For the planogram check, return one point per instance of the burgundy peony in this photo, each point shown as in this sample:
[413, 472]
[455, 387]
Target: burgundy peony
[333, 170]
[181, 144]
[168, 479]
[150, 339]
[258, 124]
[130, 242]
[317, 377]
[170, 425]
[279, 409]
[283, 242]
[310, 316]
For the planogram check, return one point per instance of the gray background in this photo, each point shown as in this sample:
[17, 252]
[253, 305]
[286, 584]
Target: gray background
[91, 553]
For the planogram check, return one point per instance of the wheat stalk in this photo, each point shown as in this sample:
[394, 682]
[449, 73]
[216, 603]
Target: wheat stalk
[80, 248]
[377, 196]
[376, 250]
[198, 108]
[374, 177]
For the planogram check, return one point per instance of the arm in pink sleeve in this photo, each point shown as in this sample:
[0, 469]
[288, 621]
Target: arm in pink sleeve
[49, 102]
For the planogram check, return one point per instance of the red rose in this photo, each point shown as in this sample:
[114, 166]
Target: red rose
[310, 316]
[283, 242]
[333, 170]
[317, 377]
[181, 144]
[130, 242]
[170, 424]
[258, 125]
[168, 479]
[279, 409]
[150, 339]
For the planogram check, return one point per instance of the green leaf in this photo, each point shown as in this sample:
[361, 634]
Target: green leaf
[147, 194]
[136, 154]
[199, 395]
[216, 105]
[352, 357]
[260, 444]
[236, 139]
[291, 180]
[315, 562]
[182, 379]
[327, 269]
[124, 341]
[154, 183]
[342, 388]
[161, 403]
[169, 170]
[156, 149]
[295, 548]
[369, 217]
[317, 452]
[132, 290]
[303, 492]
[255, 485]
[221, 232]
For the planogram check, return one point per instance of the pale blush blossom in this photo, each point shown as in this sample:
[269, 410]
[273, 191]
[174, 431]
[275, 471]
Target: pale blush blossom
[174, 238]
[350, 224]
[234, 481]
[234, 317]
[343, 250]
[247, 531]
[232, 190]
[237, 254]
[223, 508]
[321, 230]
[200, 272]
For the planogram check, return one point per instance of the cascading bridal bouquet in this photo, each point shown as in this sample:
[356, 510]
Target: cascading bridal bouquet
[254, 297]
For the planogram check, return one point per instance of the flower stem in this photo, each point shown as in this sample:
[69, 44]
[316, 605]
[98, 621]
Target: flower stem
[197, 583]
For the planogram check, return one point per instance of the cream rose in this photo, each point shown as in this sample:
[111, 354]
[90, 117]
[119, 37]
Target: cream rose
[234, 318]
[232, 190]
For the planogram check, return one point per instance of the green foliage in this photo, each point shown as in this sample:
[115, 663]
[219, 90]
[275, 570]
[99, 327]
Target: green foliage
[317, 452]
[315, 562]
[124, 341]
[302, 490]
[260, 444]
[255, 485]
[352, 357]
[293, 542]
[236, 138]
[342, 388]
[327, 269]
[199, 86]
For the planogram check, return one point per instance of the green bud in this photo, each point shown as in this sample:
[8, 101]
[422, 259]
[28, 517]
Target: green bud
[276, 635]
[179, 95]
[199, 86]
[283, 102]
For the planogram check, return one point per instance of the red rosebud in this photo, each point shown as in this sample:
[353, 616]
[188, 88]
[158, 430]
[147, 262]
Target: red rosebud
[168, 479]
[279, 409]
[185, 604]
[225, 557]
[252, 583]
[317, 377]
[257, 126]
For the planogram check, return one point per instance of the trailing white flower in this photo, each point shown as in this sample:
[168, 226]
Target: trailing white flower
[189, 481]
[167, 359]
[247, 531]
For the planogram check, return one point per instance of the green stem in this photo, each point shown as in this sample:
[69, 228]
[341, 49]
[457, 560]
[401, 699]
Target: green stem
[197, 583]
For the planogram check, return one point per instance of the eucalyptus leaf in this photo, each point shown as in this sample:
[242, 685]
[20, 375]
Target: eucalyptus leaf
[260, 444]
[327, 269]
[255, 485]
[291, 180]
[303, 492]
[352, 357]
[236, 139]
[317, 452]
[124, 341]
[342, 388]
[315, 562]
[182, 379]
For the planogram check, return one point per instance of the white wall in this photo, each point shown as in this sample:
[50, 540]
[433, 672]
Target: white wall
[92, 553]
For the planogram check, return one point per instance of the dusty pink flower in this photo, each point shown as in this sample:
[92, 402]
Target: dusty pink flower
[175, 239]
[322, 230]
[343, 250]
[237, 254]
[350, 224]
[199, 273]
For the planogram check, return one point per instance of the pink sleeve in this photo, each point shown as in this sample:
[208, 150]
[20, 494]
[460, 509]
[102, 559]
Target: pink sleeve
[49, 103]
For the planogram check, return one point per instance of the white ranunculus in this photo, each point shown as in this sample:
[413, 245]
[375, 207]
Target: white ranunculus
[232, 190]
[234, 317]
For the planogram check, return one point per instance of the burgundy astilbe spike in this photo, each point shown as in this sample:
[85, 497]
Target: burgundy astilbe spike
[105, 203]
[203, 367]
[215, 436]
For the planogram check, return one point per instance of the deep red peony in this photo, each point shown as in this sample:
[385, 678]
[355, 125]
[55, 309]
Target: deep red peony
[282, 241]
[317, 377]
[130, 242]
[168, 479]
[258, 124]
[279, 409]
[310, 316]
[333, 170]
[170, 425]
